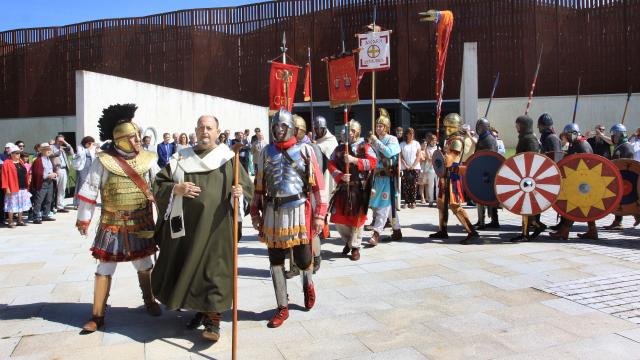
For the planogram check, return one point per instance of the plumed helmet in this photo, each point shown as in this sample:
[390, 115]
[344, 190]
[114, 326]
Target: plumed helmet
[545, 121]
[282, 117]
[353, 124]
[116, 121]
[384, 118]
[319, 122]
[571, 129]
[299, 123]
[116, 124]
[482, 126]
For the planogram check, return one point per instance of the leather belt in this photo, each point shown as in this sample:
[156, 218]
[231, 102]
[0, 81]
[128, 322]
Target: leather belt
[279, 201]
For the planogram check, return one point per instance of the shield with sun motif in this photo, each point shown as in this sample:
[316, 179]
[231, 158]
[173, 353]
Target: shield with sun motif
[528, 183]
[591, 187]
[630, 172]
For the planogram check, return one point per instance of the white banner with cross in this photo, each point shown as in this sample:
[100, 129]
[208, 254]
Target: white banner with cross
[375, 51]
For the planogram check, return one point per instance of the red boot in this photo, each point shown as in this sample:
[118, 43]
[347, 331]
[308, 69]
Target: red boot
[309, 297]
[279, 318]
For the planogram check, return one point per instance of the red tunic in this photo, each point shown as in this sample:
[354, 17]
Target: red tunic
[366, 162]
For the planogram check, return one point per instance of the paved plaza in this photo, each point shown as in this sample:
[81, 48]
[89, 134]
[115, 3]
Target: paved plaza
[414, 299]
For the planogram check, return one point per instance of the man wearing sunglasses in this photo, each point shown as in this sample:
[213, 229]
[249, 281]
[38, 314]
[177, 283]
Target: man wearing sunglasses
[600, 143]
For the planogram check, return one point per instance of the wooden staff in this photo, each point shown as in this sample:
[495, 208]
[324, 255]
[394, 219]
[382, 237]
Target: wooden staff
[236, 165]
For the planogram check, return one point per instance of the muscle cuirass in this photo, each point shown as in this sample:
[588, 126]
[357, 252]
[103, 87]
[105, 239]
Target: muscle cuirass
[120, 193]
[285, 176]
[454, 143]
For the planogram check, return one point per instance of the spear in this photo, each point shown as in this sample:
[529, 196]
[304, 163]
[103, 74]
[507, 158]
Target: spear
[624, 114]
[535, 79]
[493, 92]
[285, 73]
[575, 107]
[373, 81]
[313, 129]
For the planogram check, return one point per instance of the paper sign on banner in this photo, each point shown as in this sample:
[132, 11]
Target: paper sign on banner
[342, 79]
[375, 51]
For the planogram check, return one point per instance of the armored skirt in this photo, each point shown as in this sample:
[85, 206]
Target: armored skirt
[286, 227]
[126, 227]
[124, 240]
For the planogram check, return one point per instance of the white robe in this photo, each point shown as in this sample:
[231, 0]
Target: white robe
[327, 144]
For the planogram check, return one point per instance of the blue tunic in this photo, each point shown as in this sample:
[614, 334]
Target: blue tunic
[386, 148]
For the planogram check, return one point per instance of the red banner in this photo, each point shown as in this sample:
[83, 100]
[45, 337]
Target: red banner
[342, 78]
[307, 83]
[278, 87]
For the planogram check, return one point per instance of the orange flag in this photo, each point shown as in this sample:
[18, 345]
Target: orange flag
[307, 82]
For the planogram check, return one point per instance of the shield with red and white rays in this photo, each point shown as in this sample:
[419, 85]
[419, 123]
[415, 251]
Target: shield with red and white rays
[528, 183]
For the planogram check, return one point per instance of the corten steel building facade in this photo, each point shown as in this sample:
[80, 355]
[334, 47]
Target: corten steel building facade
[225, 51]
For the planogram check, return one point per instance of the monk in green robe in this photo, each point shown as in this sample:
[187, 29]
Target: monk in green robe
[194, 231]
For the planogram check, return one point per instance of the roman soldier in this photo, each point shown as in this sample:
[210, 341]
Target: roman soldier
[287, 177]
[623, 150]
[527, 142]
[486, 142]
[450, 185]
[577, 145]
[350, 201]
[385, 183]
[122, 178]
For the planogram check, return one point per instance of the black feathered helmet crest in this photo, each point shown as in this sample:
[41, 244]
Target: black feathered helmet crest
[116, 124]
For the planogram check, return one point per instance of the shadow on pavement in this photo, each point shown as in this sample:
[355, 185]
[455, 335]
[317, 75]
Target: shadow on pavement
[133, 323]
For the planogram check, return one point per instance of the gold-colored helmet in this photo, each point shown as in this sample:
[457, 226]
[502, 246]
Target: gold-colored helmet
[384, 118]
[116, 124]
[299, 123]
[355, 126]
[452, 123]
[122, 135]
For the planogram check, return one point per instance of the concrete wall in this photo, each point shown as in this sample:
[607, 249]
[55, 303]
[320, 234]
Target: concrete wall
[35, 130]
[469, 86]
[592, 110]
[166, 109]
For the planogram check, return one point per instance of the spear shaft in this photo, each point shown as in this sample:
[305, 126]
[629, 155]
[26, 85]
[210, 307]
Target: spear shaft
[535, 79]
[626, 105]
[575, 107]
[493, 92]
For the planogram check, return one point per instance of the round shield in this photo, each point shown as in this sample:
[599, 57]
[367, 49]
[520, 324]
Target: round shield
[478, 180]
[630, 172]
[528, 183]
[439, 164]
[555, 155]
[591, 187]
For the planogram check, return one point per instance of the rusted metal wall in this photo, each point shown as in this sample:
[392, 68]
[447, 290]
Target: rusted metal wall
[225, 51]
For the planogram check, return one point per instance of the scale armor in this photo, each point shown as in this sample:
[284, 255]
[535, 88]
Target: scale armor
[282, 178]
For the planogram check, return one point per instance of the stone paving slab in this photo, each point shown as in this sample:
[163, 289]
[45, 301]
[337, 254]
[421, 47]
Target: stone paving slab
[415, 299]
[615, 294]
